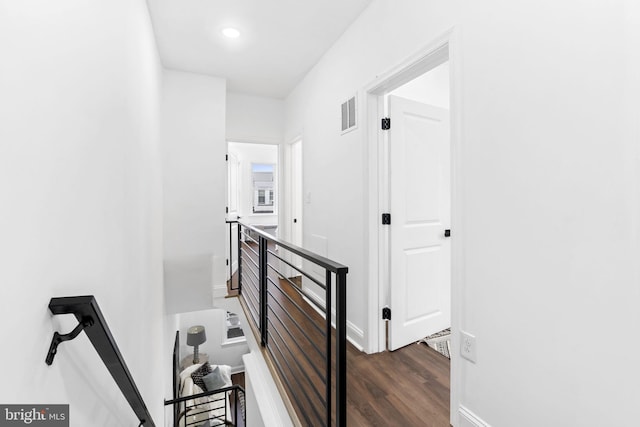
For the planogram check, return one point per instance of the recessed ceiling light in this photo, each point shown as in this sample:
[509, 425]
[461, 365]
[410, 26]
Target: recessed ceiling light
[232, 33]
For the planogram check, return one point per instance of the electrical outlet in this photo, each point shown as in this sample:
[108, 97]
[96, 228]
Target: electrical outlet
[468, 346]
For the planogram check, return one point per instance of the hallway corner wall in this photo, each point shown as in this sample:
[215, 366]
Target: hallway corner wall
[81, 201]
[194, 177]
[256, 119]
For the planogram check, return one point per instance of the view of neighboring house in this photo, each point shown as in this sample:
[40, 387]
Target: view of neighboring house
[476, 165]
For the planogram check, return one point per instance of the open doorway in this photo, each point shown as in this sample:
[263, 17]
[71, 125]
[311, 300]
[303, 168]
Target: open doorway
[252, 191]
[295, 196]
[292, 206]
[420, 202]
[415, 252]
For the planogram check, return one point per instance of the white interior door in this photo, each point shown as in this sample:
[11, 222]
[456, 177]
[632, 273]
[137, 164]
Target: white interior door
[296, 196]
[420, 254]
[232, 205]
[232, 188]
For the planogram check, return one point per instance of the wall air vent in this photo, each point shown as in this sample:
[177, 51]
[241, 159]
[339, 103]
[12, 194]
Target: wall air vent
[349, 113]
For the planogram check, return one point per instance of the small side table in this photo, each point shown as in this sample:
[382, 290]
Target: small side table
[188, 360]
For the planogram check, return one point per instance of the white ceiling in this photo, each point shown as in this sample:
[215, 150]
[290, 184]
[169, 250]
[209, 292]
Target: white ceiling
[279, 43]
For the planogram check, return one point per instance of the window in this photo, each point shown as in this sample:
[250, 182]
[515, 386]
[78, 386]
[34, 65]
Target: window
[234, 333]
[263, 188]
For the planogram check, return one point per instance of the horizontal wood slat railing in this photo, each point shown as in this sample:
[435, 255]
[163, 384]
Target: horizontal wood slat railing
[277, 283]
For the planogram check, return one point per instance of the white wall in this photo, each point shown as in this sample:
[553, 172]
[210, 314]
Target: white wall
[246, 155]
[81, 201]
[549, 186]
[430, 88]
[194, 173]
[254, 119]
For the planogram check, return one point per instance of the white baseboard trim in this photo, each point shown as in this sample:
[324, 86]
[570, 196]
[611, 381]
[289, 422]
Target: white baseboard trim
[237, 369]
[354, 332]
[355, 335]
[468, 418]
[220, 291]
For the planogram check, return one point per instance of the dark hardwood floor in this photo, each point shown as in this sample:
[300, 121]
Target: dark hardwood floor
[407, 387]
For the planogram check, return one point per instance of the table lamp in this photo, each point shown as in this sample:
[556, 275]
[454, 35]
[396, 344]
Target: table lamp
[195, 337]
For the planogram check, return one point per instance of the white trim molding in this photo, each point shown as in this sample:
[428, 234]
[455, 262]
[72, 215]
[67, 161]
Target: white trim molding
[437, 51]
[237, 369]
[355, 335]
[469, 419]
[219, 292]
[262, 391]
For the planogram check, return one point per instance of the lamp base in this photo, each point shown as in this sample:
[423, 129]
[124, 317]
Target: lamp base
[188, 360]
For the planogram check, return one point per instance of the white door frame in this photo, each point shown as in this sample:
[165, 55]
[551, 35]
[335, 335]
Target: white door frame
[300, 195]
[444, 46]
[286, 202]
[286, 219]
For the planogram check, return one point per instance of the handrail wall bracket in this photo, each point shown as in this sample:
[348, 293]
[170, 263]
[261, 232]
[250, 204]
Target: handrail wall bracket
[93, 323]
[60, 338]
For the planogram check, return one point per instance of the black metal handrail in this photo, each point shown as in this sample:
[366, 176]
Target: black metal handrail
[326, 263]
[283, 325]
[195, 406]
[208, 393]
[91, 320]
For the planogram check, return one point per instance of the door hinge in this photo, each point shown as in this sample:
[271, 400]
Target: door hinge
[386, 218]
[226, 209]
[386, 313]
[226, 157]
[227, 261]
[386, 123]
